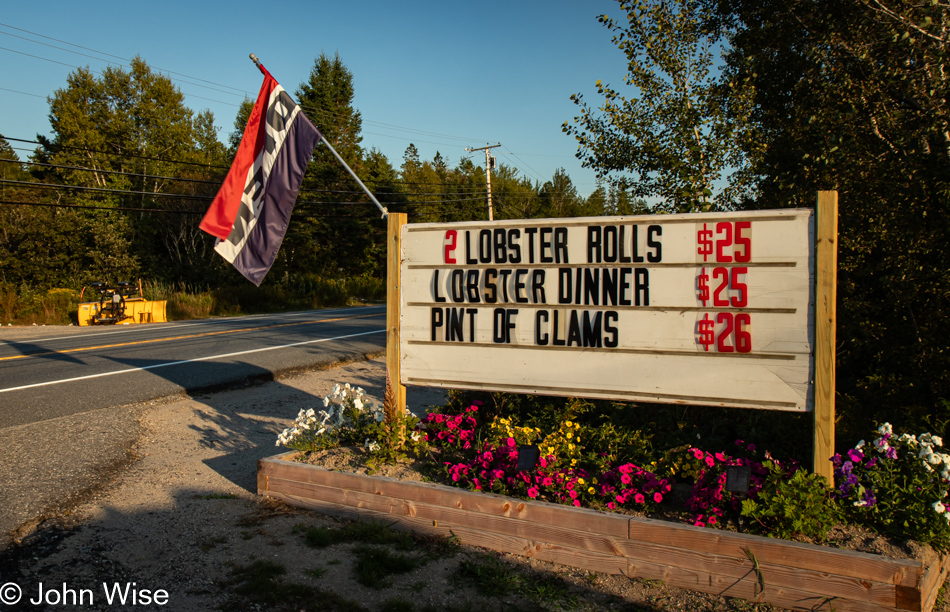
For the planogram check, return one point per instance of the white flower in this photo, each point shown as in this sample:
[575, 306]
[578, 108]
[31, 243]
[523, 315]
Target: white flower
[861, 502]
[937, 440]
[358, 404]
[885, 429]
[908, 439]
[336, 389]
[416, 436]
[859, 445]
[311, 413]
[370, 444]
[326, 402]
[379, 417]
[881, 445]
[347, 386]
[939, 507]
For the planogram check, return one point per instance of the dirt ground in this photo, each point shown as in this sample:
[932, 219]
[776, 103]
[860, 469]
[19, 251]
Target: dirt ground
[179, 524]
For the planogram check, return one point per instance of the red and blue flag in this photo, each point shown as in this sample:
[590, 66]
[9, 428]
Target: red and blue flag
[252, 210]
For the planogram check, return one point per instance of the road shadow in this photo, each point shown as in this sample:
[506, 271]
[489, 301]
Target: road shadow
[27, 349]
[240, 416]
[205, 548]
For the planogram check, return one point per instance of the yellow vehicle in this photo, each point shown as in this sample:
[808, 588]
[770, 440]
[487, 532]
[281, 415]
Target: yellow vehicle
[119, 305]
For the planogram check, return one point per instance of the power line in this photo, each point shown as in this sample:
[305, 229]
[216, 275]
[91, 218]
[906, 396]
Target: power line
[218, 183]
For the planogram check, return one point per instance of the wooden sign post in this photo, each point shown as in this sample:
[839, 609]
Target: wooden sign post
[826, 269]
[393, 288]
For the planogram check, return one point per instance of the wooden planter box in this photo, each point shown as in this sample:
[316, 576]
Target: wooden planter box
[790, 574]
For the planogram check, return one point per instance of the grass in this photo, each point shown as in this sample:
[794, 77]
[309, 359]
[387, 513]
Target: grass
[492, 577]
[375, 532]
[59, 305]
[376, 565]
[262, 583]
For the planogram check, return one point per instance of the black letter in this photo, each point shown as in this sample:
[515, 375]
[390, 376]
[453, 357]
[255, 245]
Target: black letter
[565, 284]
[612, 341]
[437, 320]
[530, 232]
[641, 286]
[657, 255]
[501, 250]
[520, 273]
[471, 285]
[539, 339]
[560, 244]
[593, 242]
[491, 290]
[513, 236]
[435, 286]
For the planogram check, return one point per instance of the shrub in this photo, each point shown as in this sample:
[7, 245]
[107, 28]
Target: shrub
[897, 485]
[788, 506]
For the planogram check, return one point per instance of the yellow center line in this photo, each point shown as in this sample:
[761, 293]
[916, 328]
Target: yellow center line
[202, 335]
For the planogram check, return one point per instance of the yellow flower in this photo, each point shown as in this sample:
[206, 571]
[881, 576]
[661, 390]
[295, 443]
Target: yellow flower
[580, 481]
[570, 447]
[593, 480]
[592, 490]
[550, 450]
[578, 438]
[573, 461]
[569, 424]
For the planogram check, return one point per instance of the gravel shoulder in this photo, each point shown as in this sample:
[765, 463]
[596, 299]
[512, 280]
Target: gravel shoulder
[163, 495]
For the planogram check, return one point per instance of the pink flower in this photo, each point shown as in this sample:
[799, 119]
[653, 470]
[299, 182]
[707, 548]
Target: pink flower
[511, 443]
[657, 497]
[547, 481]
[573, 494]
[712, 520]
[611, 505]
[577, 503]
[697, 453]
[532, 492]
[639, 498]
[625, 479]
[543, 462]
[709, 461]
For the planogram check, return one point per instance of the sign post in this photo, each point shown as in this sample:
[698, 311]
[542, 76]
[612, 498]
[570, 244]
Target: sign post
[393, 288]
[826, 249]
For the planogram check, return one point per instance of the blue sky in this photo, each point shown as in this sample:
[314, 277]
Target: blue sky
[442, 75]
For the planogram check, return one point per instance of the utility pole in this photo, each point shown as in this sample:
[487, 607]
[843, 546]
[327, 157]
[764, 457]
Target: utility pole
[488, 165]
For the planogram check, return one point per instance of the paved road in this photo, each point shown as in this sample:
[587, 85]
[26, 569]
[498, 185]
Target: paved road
[51, 372]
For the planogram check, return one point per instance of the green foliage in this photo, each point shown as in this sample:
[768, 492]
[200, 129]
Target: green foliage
[852, 96]
[670, 137]
[788, 507]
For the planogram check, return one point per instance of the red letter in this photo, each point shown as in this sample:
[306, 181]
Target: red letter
[451, 238]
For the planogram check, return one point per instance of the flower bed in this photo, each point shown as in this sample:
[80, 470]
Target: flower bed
[787, 574]
[571, 456]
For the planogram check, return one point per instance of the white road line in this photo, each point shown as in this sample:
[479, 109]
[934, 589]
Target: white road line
[171, 363]
[180, 324]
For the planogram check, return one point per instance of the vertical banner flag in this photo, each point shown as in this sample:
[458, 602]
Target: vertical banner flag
[250, 214]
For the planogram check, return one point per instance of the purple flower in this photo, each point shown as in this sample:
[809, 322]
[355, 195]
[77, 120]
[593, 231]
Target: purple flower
[891, 452]
[855, 455]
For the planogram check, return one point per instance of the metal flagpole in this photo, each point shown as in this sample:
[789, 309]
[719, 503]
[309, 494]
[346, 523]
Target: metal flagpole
[381, 208]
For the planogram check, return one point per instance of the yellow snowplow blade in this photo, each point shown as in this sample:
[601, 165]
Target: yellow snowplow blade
[137, 310]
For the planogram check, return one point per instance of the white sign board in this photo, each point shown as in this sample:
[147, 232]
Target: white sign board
[704, 309]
